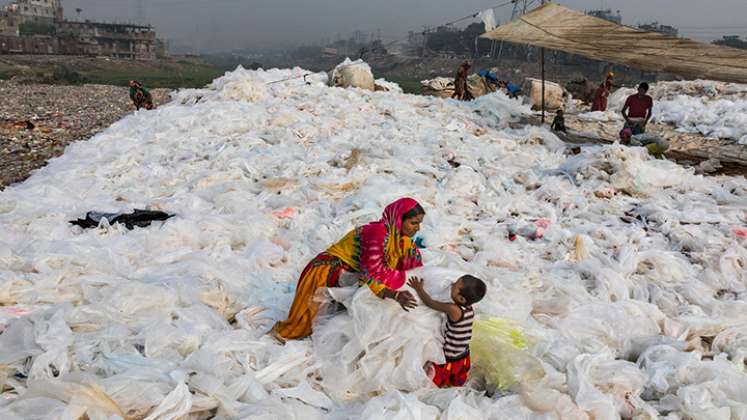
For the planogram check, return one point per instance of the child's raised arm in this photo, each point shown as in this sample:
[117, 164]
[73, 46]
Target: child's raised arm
[450, 309]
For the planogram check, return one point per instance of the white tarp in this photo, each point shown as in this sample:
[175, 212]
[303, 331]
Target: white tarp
[488, 19]
[556, 27]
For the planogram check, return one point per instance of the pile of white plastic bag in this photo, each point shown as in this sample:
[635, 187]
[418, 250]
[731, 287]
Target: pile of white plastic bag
[634, 294]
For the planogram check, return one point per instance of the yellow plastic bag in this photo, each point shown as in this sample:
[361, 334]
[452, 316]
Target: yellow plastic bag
[500, 352]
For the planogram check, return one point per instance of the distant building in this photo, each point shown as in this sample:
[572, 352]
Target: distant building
[606, 15]
[9, 23]
[38, 27]
[657, 27]
[37, 11]
[359, 37]
[112, 40]
[410, 47]
[733, 41]
[329, 52]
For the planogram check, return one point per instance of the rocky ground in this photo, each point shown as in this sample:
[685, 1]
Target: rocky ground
[38, 121]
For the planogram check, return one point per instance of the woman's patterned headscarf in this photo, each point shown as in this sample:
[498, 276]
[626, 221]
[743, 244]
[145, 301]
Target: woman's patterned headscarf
[394, 212]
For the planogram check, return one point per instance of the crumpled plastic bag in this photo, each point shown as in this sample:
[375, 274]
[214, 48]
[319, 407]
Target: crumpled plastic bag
[603, 386]
[81, 394]
[398, 406]
[375, 346]
[500, 352]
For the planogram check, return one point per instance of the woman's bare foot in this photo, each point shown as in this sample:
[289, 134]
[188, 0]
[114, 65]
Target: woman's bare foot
[274, 334]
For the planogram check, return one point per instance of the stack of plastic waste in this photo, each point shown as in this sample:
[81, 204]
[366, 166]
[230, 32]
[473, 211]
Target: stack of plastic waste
[479, 85]
[352, 74]
[632, 304]
[532, 91]
[387, 86]
[442, 87]
[712, 109]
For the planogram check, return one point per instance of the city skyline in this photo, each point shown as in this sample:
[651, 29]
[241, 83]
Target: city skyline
[233, 24]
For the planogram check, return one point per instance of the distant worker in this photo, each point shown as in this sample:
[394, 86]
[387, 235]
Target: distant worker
[489, 76]
[558, 124]
[602, 93]
[512, 90]
[461, 91]
[637, 110]
[140, 95]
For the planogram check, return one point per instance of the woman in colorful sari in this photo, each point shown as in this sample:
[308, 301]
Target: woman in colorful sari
[603, 91]
[380, 253]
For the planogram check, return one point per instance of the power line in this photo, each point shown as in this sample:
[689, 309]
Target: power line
[470, 16]
[474, 15]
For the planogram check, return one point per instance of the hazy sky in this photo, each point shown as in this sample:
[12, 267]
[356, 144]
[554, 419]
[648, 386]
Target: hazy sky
[228, 24]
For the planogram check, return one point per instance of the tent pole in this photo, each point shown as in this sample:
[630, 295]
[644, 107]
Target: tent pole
[542, 70]
[542, 64]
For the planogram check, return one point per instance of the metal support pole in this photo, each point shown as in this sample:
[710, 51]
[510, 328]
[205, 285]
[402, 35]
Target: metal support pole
[542, 65]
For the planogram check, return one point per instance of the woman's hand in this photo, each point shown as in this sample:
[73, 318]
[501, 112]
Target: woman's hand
[405, 300]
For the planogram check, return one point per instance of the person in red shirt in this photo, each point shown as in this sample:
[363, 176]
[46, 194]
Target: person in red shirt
[637, 110]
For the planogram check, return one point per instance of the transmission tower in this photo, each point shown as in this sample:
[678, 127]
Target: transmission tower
[520, 8]
[140, 12]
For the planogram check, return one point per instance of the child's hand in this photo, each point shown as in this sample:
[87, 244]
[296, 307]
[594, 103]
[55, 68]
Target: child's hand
[416, 283]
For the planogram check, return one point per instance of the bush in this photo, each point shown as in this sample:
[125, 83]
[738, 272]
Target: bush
[36, 28]
[68, 36]
[64, 74]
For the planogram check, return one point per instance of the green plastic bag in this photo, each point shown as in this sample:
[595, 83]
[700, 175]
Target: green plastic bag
[500, 352]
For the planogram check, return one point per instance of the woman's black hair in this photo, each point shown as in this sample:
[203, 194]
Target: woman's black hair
[473, 289]
[415, 211]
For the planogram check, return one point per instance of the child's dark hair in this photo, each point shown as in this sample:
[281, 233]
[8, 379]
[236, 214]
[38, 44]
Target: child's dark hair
[415, 211]
[473, 289]
[643, 86]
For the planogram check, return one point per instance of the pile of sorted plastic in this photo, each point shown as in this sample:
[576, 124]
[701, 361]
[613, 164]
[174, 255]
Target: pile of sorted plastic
[622, 294]
[440, 86]
[711, 109]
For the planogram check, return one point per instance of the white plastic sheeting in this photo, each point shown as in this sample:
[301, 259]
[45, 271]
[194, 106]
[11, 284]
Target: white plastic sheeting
[636, 298]
[488, 19]
[711, 109]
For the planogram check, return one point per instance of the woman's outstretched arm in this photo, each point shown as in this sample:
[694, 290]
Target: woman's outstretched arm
[376, 273]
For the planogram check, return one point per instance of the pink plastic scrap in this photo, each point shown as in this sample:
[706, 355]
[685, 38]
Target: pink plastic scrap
[286, 213]
[15, 311]
[542, 225]
[11, 312]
